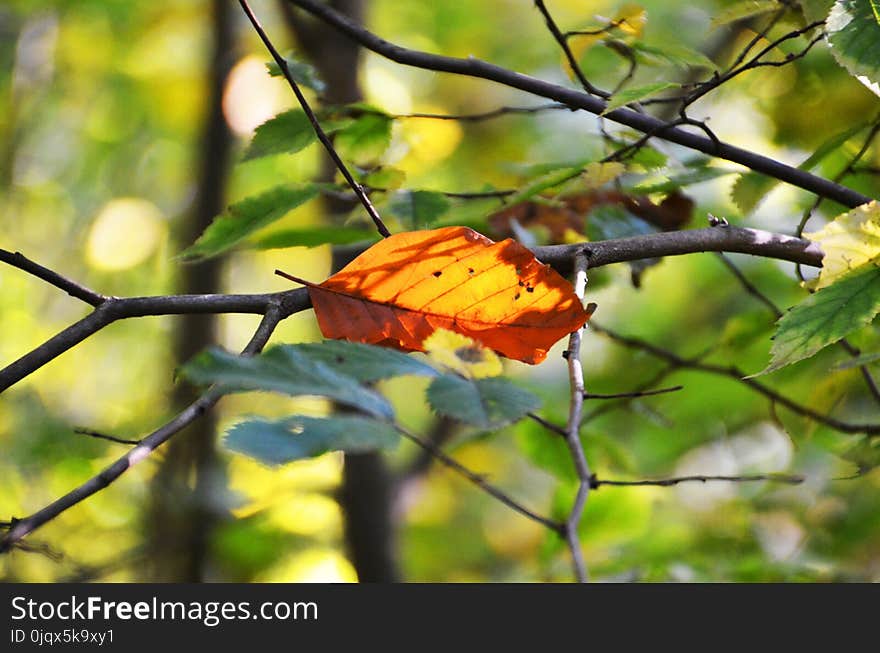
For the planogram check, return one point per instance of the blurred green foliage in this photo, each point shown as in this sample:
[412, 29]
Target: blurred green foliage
[101, 105]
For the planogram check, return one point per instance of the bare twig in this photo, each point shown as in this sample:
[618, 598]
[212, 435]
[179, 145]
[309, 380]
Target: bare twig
[322, 136]
[485, 115]
[667, 482]
[479, 481]
[728, 239]
[569, 55]
[104, 436]
[72, 288]
[22, 527]
[733, 372]
[572, 430]
[633, 395]
[644, 123]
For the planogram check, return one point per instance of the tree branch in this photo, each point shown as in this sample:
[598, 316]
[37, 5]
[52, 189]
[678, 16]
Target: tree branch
[644, 123]
[671, 243]
[20, 528]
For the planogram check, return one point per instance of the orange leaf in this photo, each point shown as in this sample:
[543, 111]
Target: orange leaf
[403, 288]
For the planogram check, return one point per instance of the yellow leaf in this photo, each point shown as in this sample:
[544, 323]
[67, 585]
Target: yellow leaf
[597, 174]
[850, 240]
[462, 354]
[631, 19]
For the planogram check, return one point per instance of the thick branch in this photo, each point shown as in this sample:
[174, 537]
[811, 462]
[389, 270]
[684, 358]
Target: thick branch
[22, 527]
[644, 123]
[606, 252]
[114, 309]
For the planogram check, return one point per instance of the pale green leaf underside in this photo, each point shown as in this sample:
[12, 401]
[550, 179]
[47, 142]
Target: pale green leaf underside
[365, 140]
[486, 403]
[302, 73]
[285, 370]
[743, 9]
[854, 34]
[276, 442]
[825, 317]
[247, 216]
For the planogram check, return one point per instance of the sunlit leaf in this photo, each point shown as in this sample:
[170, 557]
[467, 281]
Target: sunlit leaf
[277, 442]
[365, 140]
[675, 54]
[544, 182]
[849, 241]
[405, 287]
[247, 216]
[287, 371]
[386, 178]
[636, 94]
[461, 354]
[743, 9]
[664, 184]
[854, 35]
[486, 403]
[825, 317]
[596, 174]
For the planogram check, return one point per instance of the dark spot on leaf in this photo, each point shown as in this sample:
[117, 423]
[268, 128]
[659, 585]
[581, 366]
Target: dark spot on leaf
[530, 289]
[437, 273]
[470, 270]
[521, 284]
[469, 354]
[340, 359]
[516, 296]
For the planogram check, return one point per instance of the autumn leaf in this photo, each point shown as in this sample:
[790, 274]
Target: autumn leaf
[405, 287]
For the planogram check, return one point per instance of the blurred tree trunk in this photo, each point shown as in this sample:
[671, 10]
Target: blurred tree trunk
[190, 486]
[367, 485]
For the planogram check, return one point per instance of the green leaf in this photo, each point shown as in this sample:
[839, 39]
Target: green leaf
[628, 95]
[749, 189]
[418, 209]
[302, 73]
[815, 10]
[743, 9]
[245, 217]
[277, 442]
[365, 140]
[285, 370]
[849, 241]
[825, 317]
[314, 236]
[854, 35]
[287, 132]
[386, 178]
[366, 363]
[875, 7]
[674, 54]
[666, 184]
[543, 182]
[486, 403]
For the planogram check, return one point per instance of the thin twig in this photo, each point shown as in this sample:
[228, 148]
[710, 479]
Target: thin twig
[104, 436]
[479, 481]
[569, 55]
[485, 115]
[572, 430]
[20, 528]
[576, 99]
[322, 136]
[733, 372]
[666, 482]
[72, 288]
[749, 287]
[633, 395]
[550, 426]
